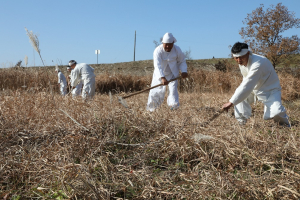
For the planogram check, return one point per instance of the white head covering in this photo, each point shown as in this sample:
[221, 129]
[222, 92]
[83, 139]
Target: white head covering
[68, 68]
[241, 53]
[72, 63]
[168, 38]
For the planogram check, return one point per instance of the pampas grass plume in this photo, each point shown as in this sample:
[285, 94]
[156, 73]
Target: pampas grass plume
[34, 40]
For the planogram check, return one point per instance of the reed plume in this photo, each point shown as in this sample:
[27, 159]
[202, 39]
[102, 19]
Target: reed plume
[34, 40]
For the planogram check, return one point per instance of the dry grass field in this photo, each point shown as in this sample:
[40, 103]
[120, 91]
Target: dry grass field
[54, 147]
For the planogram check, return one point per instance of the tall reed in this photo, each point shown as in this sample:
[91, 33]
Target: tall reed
[34, 40]
[198, 81]
[26, 61]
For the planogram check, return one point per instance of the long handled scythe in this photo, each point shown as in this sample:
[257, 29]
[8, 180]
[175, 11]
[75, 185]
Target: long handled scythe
[122, 99]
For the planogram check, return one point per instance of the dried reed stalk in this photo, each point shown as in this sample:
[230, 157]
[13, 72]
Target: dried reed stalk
[26, 60]
[74, 120]
[34, 40]
[41, 148]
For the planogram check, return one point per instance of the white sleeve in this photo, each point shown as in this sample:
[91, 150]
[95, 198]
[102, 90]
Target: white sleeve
[75, 77]
[157, 60]
[247, 85]
[92, 69]
[59, 78]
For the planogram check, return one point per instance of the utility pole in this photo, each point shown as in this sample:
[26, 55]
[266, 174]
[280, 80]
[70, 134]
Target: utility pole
[97, 52]
[134, 46]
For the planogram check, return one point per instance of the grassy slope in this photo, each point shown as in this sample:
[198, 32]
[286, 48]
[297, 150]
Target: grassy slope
[145, 67]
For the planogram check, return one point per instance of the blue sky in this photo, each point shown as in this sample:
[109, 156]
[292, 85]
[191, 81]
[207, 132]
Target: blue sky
[74, 29]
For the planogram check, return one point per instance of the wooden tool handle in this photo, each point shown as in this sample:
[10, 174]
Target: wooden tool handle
[149, 88]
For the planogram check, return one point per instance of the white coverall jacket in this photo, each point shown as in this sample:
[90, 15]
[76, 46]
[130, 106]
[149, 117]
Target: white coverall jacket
[85, 73]
[63, 83]
[261, 80]
[78, 89]
[168, 65]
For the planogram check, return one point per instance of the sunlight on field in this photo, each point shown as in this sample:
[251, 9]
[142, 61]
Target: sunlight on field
[53, 146]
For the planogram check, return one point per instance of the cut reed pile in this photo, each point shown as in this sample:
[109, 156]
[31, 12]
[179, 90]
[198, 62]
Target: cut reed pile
[100, 150]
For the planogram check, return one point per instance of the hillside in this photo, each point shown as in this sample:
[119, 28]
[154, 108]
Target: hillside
[145, 67]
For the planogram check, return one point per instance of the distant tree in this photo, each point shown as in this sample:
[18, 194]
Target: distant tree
[156, 43]
[264, 32]
[18, 65]
[187, 54]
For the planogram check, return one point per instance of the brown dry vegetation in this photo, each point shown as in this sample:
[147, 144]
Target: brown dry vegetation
[59, 147]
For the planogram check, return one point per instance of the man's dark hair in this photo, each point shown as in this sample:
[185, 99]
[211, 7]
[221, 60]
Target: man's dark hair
[237, 47]
[71, 61]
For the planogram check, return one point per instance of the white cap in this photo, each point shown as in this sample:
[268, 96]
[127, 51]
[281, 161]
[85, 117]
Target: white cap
[168, 38]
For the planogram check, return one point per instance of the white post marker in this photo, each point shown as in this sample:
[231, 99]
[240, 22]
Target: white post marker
[97, 52]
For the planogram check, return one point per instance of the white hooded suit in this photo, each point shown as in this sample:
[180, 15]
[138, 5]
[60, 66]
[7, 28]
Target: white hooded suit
[85, 73]
[77, 91]
[168, 65]
[261, 80]
[63, 83]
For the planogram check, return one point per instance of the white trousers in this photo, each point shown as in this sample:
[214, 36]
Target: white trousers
[273, 108]
[157, 95]
[77, 90]
[63, 90]
[89, 87]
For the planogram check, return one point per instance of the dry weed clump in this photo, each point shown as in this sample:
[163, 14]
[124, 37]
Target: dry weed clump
[54, 147]
[290, 86]
[121, 83]
[198, 81]
[32, 79]
[210, 81]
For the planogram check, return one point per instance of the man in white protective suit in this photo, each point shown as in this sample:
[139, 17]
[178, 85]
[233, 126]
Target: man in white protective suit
[62, 82]
[85, 73]
[78, 89]
[168, 60]
[260, 80]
